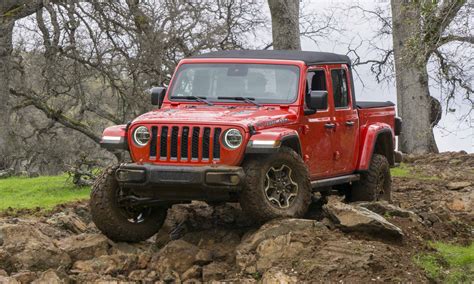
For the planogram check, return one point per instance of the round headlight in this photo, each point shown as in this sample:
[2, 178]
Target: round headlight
[232, 138]
[141, 136]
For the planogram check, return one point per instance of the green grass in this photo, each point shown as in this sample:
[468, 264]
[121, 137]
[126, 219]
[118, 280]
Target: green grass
[406, 171]
[450, 263]
[44, 192]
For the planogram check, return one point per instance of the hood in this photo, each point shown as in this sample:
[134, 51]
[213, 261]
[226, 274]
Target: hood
[243, 116]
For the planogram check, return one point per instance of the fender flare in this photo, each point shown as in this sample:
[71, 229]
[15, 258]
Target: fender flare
[267, 142]
[115, 137]
[376, 133]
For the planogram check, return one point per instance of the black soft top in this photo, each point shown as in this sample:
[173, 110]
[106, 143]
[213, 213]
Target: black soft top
[308, 57]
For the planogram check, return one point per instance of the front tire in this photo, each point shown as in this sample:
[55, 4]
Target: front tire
[375, 184]
[117, 222]
[276, 186]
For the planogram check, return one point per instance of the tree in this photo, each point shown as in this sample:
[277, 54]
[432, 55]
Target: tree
[432, 47]
[285, 24]
[85, 65]
[10, 11]
[420, 29]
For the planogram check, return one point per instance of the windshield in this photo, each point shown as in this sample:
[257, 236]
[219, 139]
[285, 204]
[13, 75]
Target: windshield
[262, 83]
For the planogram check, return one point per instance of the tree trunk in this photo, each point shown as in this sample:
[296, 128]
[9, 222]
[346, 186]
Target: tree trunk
[285, 24]
[6, 31]
[413, 97]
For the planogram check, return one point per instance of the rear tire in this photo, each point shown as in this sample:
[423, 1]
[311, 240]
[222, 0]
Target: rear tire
[276, 186]
[375, 184]
[116, 222]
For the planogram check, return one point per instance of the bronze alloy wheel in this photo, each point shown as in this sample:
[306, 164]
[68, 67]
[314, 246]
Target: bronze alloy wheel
[280, 189]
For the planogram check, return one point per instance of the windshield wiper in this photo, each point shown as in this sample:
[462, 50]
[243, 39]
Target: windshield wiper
[248, 100]
[195, 98]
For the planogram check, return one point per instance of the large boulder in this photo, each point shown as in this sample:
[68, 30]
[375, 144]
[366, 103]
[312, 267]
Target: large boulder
[8, 280]
[111, 264]
[457, 185]
[23, 247]
[276, 276]
[25, 276]
[353, 218]
[214, 271]
[49, 277]
[384, 208]
[69, 221]
[276, 241]
[177, 256]
[84, 246]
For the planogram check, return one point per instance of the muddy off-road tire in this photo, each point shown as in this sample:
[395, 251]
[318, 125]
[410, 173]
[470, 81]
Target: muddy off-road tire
[374, 184]
[116, 222]
[275, 186]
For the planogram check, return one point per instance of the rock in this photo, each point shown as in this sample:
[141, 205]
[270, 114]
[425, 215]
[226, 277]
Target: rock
[171, 276]
[68, 221]
[351, 218]
[271, 251]
[429, 218]
[26, 248]
[3, 273]
[204, 256]
[220, 242]
[143, 276]
[457, 205]
[84, 246]
[457, 185]
[276, 228]
[108, 264]
[177, 255]
[8, 280]
[25, 276]
[214, 271]
[48, 277]
[276, 276]
[384, 208]
[275, 241]
[194, 272]
[124, 248]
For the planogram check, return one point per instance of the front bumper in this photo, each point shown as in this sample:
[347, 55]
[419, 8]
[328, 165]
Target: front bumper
[181, 182]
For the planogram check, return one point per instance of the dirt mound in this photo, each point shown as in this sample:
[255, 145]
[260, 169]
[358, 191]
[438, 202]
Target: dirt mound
[359, 242]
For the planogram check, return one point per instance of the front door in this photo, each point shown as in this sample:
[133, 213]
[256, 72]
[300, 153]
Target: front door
[318, 147]
[345, 137]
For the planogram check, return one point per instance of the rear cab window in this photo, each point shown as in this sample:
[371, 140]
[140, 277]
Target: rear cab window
[340, 88]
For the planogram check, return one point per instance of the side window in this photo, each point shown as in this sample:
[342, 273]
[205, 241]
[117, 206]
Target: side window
[340, 88]
[315, 81]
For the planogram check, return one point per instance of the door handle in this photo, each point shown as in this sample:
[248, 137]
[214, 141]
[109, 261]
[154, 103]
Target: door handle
[350, 123]
[330, 125]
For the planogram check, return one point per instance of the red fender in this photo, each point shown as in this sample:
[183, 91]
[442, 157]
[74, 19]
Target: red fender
[368, 139]
[271, 139]
[114, 137]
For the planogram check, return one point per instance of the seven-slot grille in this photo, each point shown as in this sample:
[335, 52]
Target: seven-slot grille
[185, 143]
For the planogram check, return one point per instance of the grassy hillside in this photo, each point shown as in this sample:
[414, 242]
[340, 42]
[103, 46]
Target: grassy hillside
[44, 192]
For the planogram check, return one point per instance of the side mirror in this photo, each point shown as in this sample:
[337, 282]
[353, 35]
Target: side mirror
[317, 100]
[157, 96]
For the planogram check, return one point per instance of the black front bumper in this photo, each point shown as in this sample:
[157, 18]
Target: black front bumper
[181, 182]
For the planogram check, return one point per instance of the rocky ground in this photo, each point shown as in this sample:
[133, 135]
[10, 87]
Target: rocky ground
[365, 242]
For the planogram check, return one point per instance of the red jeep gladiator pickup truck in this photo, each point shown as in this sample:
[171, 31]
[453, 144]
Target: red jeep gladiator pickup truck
[264, 128]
